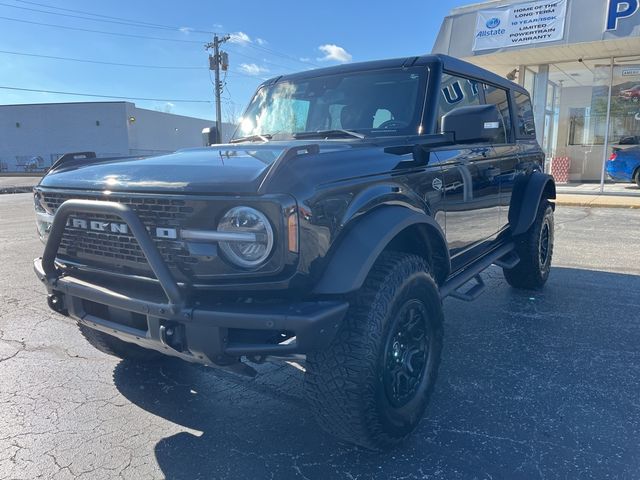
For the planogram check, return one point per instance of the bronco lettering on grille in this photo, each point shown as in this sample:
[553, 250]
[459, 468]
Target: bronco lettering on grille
[119, 228]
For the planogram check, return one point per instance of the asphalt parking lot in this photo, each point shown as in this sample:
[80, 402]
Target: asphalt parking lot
[541, 385]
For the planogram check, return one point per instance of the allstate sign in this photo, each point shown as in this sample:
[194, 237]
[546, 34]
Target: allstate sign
[521, 24]
[620, 9]
[489, 26]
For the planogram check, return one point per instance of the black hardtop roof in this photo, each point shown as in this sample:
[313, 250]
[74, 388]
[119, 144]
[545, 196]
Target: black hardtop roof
[450, 64]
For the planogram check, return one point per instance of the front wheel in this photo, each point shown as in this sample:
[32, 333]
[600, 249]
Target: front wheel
[372, 385]
[535, 249]
[637, 177]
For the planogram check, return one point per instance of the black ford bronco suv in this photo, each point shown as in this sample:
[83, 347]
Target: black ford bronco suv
[351, 201]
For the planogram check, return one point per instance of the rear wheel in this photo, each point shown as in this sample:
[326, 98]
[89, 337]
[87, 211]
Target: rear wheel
[535, 249]
[372, 385]
[116, 347]
[637, 177]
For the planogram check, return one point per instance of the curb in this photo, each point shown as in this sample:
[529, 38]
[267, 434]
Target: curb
[597, 201]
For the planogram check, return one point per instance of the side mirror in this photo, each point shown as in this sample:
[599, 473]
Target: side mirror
[210, 136]
[474, 124]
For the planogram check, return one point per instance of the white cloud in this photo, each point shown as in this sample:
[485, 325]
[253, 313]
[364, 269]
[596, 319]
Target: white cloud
[239, 37]
[305, 59]
[186, 30]
[253, 69]
[261, 41]
[334, 53]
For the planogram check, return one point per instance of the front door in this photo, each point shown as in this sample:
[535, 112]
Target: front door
[470, 180]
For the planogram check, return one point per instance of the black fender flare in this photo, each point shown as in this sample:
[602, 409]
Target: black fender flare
[527, 194]
[354, 255]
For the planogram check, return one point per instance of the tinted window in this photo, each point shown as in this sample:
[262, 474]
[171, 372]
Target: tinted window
[456, 92]
[524, 112]
[499, 98]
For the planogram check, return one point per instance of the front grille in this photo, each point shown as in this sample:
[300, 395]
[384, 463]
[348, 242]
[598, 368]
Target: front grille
[121, 252]
[149, 210]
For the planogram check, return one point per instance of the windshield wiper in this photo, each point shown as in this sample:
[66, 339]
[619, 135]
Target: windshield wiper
[329, 133]
[260, 137]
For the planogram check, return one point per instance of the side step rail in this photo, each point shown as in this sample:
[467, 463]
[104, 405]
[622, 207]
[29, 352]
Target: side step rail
[473, 293]
[503, 256]
[509, 261]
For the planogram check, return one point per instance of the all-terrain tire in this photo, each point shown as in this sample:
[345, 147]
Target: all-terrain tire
[535, 249]
[350, 385]
[116, 347]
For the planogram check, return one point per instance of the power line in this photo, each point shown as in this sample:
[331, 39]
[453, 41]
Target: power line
[117, 34]
[83, 17]
[84, 60]
[133, 65]
[132, 35]
[123, 21]
[141, 23]
[76, 94]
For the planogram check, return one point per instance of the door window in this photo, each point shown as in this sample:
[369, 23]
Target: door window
[524, 112]
[456, 92]
[499, 98]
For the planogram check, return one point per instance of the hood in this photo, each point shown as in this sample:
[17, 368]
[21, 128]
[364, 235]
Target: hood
[233, 168]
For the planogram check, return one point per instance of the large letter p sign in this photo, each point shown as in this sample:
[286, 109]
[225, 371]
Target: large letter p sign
[620, 9]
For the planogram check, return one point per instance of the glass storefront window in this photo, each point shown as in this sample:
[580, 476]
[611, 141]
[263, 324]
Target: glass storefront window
[578, 99]
[624, 123]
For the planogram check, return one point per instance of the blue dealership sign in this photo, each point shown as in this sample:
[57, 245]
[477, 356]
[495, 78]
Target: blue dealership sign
[620, 9]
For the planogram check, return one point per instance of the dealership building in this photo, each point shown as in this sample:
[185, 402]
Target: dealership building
[579, 59]
[33, 136]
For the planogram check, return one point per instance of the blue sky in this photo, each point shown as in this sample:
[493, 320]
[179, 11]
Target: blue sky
[268, 39]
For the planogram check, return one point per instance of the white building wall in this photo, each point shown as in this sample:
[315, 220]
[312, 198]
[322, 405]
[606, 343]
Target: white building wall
[107, 128]
[155, 132]
[48, 130]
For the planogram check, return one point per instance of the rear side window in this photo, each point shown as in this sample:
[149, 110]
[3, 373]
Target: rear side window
[524, 111]
[500, 98]
[456, 92]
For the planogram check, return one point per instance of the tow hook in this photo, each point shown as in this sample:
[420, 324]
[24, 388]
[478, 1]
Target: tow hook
[172, 335]
[56, 303]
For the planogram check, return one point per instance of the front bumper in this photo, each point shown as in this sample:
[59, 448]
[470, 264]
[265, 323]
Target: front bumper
[166, 321]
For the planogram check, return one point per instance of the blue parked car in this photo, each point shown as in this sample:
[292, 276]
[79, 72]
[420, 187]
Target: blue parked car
[624, 165]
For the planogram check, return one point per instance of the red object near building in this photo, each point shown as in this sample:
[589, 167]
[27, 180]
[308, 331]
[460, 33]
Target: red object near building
[560, 169]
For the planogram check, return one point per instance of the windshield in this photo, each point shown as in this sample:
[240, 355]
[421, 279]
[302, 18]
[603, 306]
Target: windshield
[370, 103]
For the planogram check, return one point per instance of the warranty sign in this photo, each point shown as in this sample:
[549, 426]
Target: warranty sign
[521, 24]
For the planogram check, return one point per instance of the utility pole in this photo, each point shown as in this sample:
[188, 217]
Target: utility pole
[217, 60]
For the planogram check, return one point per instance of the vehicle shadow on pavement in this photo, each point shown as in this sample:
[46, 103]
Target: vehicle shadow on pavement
[532, 384]
[244, 428]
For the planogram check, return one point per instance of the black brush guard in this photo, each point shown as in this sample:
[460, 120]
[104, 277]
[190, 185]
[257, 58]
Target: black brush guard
[174, 327]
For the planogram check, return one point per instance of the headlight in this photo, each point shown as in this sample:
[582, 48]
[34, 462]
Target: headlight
[254, 226]
[44, 220]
